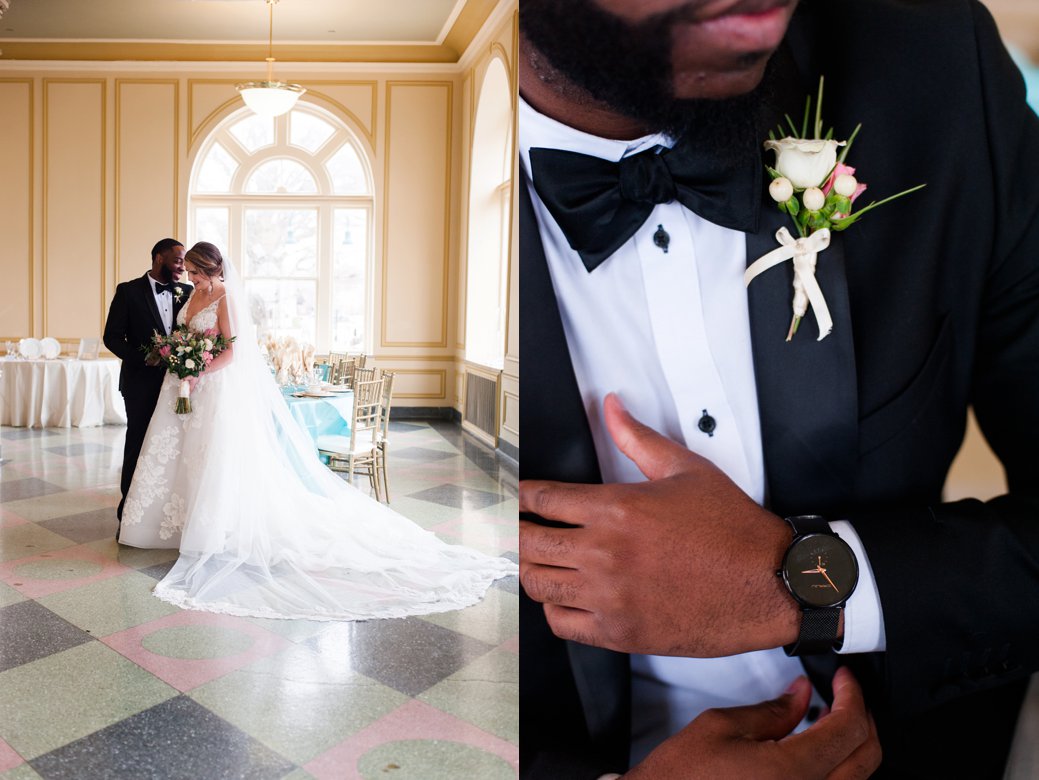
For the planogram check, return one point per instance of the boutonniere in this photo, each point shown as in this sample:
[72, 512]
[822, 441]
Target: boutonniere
[812, 183]
[178, 293]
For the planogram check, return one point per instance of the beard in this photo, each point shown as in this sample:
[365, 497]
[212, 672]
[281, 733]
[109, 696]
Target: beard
[627, 68]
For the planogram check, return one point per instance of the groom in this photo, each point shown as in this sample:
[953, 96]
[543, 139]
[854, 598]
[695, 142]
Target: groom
[655, 595]
[141, 307]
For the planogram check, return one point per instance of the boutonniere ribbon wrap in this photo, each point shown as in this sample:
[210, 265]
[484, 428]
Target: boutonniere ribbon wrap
[811, 183]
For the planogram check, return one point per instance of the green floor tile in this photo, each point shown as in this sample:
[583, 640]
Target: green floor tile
[111, 605]
[23, 541]
[295, 707]
[422, 759]
[484, 693]
[23, 772]
[9, 595]
[493, 620]
[58, 505]
[70, 694]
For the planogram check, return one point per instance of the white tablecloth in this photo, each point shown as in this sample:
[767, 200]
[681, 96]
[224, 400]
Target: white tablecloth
[60, 393]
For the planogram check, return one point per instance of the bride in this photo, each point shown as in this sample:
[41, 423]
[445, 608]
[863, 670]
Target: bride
[263, 528]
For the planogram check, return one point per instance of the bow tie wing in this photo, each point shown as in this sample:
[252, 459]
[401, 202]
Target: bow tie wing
[586, 198]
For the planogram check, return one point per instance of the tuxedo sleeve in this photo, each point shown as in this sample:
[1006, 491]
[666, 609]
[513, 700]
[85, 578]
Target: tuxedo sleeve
[959, 582]
[117, 329]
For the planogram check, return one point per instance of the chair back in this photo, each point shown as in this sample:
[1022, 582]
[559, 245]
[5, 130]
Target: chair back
[88, 349]
[360, 359]
[364, 426]
[343, 371]
[364, 375]
[387, 400]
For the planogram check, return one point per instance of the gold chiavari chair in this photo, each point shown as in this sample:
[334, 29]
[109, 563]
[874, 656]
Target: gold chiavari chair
[383, 437]
[365, 374]
[357, 453]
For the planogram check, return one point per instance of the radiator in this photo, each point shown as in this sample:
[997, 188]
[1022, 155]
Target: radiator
[480, 410]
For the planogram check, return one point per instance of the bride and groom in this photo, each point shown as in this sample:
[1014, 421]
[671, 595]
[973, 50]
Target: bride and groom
[262, 526]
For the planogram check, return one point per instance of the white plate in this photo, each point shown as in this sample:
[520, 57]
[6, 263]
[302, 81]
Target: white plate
[50, 348]
[29, 348]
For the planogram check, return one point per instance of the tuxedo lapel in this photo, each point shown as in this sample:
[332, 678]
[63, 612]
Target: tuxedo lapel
[807, 395]
[149, 297]
[557, 442]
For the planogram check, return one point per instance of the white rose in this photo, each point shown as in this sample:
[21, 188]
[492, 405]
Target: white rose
[189, 363]
[805, 162]
[207, 345]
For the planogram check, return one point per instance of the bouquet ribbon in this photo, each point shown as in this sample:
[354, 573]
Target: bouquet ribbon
[804, 252]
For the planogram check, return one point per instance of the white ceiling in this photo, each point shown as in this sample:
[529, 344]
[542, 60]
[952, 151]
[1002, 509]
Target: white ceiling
[232, 21]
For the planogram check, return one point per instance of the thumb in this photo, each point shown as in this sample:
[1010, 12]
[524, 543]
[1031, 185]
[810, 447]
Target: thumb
[773, 719]
[655, 454]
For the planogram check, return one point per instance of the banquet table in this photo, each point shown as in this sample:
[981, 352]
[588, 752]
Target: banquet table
[319, 416]
[60, 393]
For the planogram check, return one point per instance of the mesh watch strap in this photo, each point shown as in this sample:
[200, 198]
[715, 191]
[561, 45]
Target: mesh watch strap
[818, 631]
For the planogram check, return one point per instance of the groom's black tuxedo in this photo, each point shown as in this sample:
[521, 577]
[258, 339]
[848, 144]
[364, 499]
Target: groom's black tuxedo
[133, 317]
[935, 300]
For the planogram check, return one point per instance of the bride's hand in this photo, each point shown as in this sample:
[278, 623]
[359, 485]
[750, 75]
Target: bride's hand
[192, 381]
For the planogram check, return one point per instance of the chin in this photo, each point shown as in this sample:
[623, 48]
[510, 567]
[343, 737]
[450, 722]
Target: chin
[689, 85]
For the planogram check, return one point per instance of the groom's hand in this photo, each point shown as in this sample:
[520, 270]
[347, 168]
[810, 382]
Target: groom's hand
[682, 564]
[755, 741]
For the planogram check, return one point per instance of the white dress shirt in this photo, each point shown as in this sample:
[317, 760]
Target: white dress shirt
[670, 334]
[164, 300]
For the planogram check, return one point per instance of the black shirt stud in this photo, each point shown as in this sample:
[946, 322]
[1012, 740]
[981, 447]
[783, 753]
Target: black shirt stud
[707, 424]
[661, 238]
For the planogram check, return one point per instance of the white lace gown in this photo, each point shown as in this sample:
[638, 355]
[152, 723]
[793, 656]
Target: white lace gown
[262, 534]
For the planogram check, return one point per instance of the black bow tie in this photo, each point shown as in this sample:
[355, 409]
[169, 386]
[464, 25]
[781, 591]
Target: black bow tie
[161, 288]
[600, 204]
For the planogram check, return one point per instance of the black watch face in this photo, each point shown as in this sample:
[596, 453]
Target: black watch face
[820, 570]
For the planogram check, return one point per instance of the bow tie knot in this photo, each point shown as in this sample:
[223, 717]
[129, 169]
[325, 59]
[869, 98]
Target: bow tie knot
[645, 178]
[600, 204]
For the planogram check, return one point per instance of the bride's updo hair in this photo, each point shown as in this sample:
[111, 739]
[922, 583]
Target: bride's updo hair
[206, 258]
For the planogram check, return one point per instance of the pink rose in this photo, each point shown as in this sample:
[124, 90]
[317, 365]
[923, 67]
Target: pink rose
[207, 357]
[210, 332]
[837, 171]
[165, 350]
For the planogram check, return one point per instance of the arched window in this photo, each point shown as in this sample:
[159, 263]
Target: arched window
[490, 190]
[289, 201]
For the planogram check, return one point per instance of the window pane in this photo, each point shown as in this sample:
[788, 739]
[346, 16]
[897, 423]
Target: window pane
[254, 132]
[350, 244]
[280, 242]
[284, 307]
[308, 131]
[347, 172]
[216, 171]
[281, 176]
[211, 226]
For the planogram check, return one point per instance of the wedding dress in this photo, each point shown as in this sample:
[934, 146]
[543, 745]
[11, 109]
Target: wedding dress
[263, 527]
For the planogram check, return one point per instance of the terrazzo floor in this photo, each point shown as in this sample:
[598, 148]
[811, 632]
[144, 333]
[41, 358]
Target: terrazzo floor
[99, 679]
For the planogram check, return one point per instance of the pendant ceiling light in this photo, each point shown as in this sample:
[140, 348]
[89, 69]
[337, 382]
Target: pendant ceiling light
[270, 98]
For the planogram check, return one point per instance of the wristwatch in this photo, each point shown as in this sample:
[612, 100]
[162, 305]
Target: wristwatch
[820, 571]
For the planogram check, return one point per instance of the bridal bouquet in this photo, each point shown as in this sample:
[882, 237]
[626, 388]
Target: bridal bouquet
[185, 353]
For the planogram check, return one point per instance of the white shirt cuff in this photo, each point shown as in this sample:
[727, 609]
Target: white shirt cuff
[863, 615]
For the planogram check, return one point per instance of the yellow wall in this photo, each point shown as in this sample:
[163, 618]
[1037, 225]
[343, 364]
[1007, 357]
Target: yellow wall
[95, 162]
[502, 44]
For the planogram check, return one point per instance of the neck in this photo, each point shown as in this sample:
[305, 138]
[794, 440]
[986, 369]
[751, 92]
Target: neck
[157, 275]
[555, 96]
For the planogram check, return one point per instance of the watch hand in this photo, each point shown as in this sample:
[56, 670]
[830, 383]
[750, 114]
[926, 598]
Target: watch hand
[827, 576]
[812, 571]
